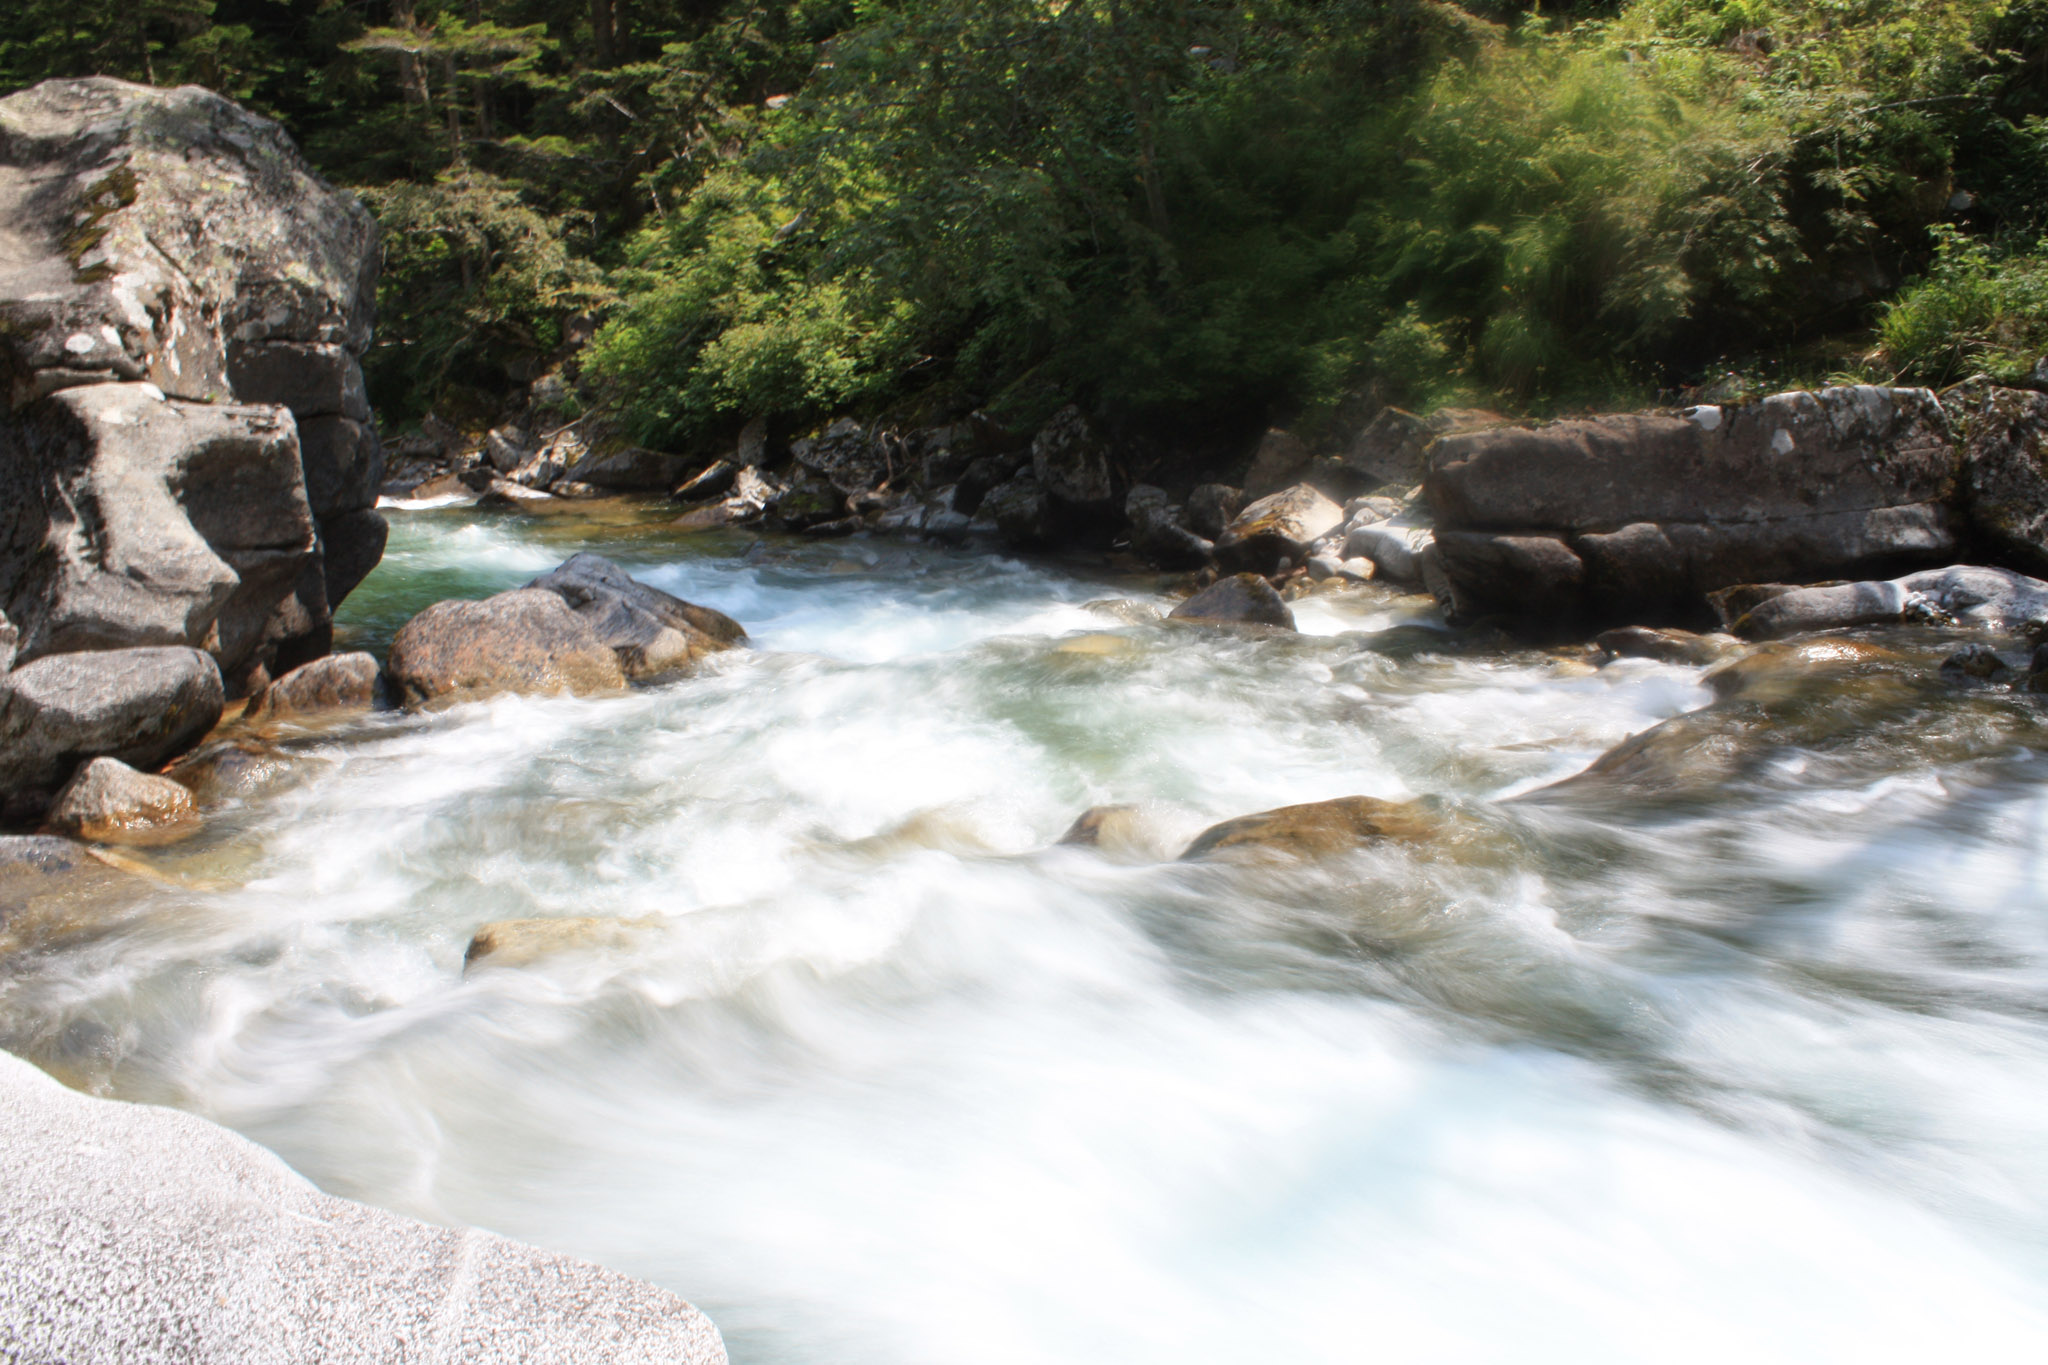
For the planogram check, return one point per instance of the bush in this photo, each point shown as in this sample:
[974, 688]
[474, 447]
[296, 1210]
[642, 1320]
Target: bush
[1979, 309]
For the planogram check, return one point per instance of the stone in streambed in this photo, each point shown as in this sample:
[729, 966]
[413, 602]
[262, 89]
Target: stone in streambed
[230, 769]
[524, 942]
[1276, 531]
[1963, 594]
[109, 802]
[1666, 645]
[1785, 669]
[1317, 829]
[339, 682]
[1244, 599]
[142, 1233]
[652, 632]
[527, 641]
[141, 706]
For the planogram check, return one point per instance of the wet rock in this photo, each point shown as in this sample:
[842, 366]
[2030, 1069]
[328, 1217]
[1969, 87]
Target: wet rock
[10, 641]
[1976, 663]
[339, 682]
[1483, 572]
[1659, 509]
[1158, 533]
[108, 802]
[1276, 531]
[1120, 831]
[1963, 594]
[1125, 610]
[175, 1239]
[54, 889]
[1243, 599]
[1732, 603]
[946, 526]
[1317, 829]
[525, 942]
[1211, 507]
[1092, 825]
[1666, 646]
[230, 769]
[141, 706]
[1787, 669]
[529, 640]
[751, 493]
[982, 476]
[652, 632]
[1095, 646]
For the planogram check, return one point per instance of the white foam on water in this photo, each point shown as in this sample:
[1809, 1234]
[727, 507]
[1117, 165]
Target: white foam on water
[888, 1079]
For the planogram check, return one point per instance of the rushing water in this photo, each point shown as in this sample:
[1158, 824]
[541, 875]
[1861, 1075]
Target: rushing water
[1757, 1071]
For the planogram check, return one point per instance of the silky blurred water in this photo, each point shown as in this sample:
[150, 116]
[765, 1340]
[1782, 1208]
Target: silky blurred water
[886, 1076]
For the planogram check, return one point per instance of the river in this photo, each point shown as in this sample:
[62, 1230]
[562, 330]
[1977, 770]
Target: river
[881, 1074]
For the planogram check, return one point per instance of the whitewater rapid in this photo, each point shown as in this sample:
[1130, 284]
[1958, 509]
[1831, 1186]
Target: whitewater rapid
[889, 1077]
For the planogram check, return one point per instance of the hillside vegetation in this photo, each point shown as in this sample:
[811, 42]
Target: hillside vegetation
[1194, 215]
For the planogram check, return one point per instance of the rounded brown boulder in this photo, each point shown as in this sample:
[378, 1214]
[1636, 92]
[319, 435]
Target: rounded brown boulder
[1317, 829]
[339, 682]
[527, 641]
[1243, 599]
[109, 802]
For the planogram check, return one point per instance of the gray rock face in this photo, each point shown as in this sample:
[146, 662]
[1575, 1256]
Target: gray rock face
[529, 640]
[141, 706]
[150, 229]
[1212, 507]
[1023, 511]
[1642, 514]
[2005, 473]
[128, 519]
[1245, 599]
[164, 257]
[109, 802]
[632, 469]
[1277, 530]
[339, 682]
[652, 632]
[141, 1233]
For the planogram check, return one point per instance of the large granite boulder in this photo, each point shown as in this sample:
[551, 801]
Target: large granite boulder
[1241, 600]
[142, 706]
[1962, 594]
[166, 244]
[651, 632]
[528, 640]
[141, 1233]
[1637, 516]
[127, 519]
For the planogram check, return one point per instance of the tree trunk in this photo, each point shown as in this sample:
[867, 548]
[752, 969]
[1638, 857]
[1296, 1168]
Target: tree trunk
[603, 29]
[412, 76]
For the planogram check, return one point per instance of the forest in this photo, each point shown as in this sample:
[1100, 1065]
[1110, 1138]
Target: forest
[1188, 215]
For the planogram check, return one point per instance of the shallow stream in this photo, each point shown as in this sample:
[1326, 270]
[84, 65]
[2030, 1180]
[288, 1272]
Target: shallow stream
[1749, 1070]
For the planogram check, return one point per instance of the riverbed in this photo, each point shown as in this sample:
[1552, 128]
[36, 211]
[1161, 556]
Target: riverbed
[878, 1071]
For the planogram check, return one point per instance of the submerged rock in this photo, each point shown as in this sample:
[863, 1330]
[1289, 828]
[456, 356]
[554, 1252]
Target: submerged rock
[339, 682]
[1666, 646]
[1778, 671]
[529, 640]
[1317, 829]
[523, 942]
[174, 1239]
[652, 632]
[141, 706]
[1243, 599]
[109, 802]
[230, 769]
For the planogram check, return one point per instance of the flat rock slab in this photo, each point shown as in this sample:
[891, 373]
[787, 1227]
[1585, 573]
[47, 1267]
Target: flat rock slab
[133, 1233]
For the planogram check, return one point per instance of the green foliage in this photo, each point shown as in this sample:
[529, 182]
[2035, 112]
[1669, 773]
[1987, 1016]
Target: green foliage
[1183, 213]
[1979, 310]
